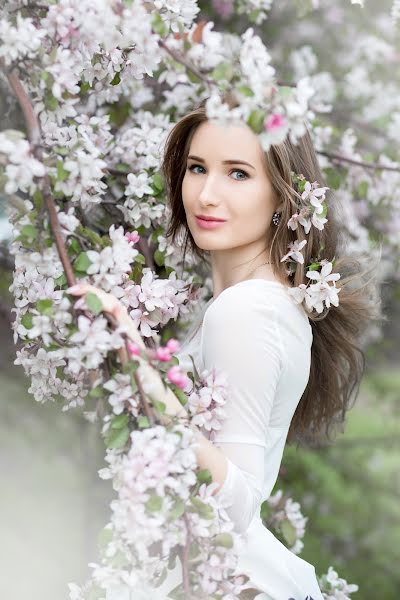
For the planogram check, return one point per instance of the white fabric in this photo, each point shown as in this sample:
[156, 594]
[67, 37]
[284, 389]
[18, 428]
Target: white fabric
[262, 340]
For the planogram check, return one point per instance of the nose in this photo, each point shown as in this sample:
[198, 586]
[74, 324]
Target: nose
[209, 191]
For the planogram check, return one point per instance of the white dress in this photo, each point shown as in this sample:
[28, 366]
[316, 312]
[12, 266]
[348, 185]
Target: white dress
[262, 340]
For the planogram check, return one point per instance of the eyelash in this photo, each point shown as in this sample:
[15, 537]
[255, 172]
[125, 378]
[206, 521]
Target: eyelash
[233, 170]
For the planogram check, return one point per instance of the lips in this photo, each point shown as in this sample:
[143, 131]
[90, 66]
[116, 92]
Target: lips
[209, 223]
[204, 218]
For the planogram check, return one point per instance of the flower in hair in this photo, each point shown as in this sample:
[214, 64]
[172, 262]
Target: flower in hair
[321, 289]
[294, 252]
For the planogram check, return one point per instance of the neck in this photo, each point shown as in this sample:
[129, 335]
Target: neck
[235, 265]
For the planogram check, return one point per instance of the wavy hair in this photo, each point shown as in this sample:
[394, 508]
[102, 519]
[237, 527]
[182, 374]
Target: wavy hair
[337, 357]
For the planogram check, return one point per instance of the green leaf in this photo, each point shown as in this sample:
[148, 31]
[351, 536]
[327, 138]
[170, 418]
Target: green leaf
[224, 539]
[192, 77]
[154, 503]
[333, 178]
[245, 90]
[285, 91]
[140, 259]
[27, 320]
[159, 406]
[130, 367]
[96, 392]
[159, 258]
[205, 511]
[50, 102]
[73, 246]
[62, 173]
[253, 14]
[289, 532]
[256, 120]
[158, 182]
[143, 422]
[120, 421]
[122, 167]
[60, 281]
[116, 79]
[38, 199]
[94, 303]
[204, 476]
[82, 263]
[119, 113]
[313, 267]
[45, 306]
[84, 87]
[177, 510]
[324, 210]
[117, 438]
[223, 72]
[180, 394]
[159, 26]
[362, 189]
[29, 232]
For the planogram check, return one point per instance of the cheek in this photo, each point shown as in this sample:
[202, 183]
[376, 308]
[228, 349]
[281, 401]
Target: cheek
[187, 191]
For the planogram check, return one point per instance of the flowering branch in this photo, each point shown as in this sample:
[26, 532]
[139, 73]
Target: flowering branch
[34, 135]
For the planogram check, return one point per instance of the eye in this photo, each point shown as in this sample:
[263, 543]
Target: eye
[243, 173]
[191, 167]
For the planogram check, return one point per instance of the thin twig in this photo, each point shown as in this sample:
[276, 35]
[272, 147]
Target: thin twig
[338, 157]
[182, 60]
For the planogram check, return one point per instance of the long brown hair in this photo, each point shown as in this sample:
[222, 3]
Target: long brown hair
[337, 358]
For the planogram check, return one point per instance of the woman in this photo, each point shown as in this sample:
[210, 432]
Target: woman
[291, 366]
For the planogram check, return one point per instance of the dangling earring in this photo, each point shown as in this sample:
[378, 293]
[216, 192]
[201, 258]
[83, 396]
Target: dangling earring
[276, 218]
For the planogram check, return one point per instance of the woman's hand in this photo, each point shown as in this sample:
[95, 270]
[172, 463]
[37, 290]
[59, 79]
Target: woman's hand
[110, 305]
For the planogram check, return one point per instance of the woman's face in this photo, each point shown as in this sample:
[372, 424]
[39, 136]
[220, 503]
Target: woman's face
[239, 193]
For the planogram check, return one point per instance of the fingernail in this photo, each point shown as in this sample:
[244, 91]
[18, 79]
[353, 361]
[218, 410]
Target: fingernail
[73, 288]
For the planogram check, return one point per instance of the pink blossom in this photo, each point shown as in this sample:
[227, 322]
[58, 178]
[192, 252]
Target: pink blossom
[274, 122]
[132, 236]
[133, 349]
[173, 345]
[163, 354]
[176, 376]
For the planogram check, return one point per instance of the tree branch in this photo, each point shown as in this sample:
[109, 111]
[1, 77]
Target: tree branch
[339, 158]
[35, 138]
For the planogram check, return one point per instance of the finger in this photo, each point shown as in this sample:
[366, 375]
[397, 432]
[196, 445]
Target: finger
[77, 289]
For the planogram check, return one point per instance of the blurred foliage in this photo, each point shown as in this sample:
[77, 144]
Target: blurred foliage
[350, 492]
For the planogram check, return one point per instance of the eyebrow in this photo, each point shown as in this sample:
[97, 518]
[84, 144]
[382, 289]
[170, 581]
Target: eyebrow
[224, 162]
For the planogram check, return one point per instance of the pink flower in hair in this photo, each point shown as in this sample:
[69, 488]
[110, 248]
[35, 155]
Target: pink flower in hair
[274, 122]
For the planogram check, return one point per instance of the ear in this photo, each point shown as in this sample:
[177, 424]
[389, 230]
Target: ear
[279, 208]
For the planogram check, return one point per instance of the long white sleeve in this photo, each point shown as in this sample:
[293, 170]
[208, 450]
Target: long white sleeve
[240, 336]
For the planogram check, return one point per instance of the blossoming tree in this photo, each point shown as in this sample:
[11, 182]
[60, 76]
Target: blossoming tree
[99, 84]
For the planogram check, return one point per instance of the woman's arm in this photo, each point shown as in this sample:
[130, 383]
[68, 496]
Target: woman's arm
[208, 456]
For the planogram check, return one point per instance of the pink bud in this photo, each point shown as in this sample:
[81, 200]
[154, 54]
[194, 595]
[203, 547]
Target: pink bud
[273, 122]
[176, 376]
[173, 345]
[133, 349]
[133, 236]
[163, 354]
